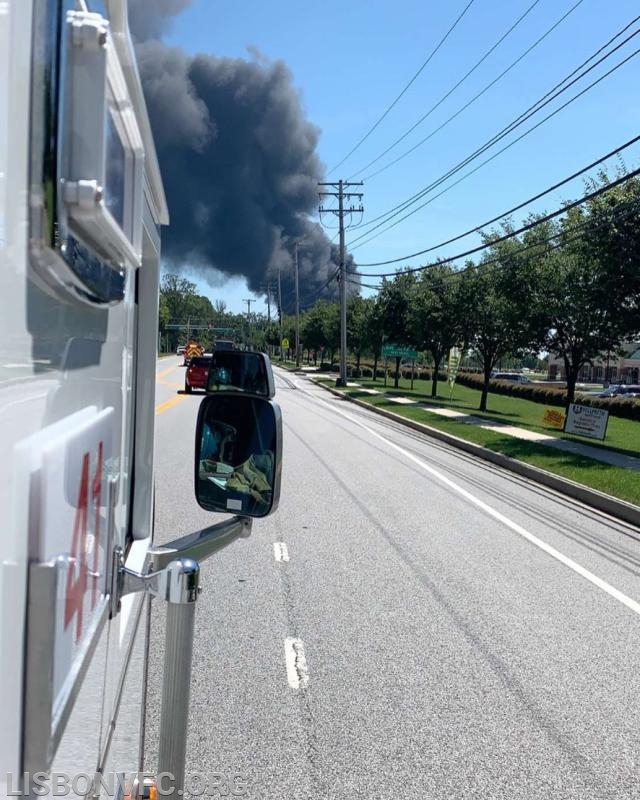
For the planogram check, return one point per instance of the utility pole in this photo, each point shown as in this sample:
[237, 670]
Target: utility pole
[280, 313]
[266, 288]
[248, 302]
[297, 310]
[341, 195]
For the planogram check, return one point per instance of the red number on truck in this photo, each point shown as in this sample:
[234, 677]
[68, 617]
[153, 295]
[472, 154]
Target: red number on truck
[77, 575]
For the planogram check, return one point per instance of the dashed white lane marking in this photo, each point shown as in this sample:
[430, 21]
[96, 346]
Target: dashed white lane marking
[280, 551]
[631, 604]
[297, 670]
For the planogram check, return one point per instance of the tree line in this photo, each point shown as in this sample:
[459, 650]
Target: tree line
[569, 286]
[184, 314]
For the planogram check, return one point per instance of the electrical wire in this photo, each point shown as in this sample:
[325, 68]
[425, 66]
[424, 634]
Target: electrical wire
[504, 214]
[307, 297]
[486, 161]
[631, 207]
[450, 92]
[477, 96]
[537, 106]
[545, 218]
[402, 93]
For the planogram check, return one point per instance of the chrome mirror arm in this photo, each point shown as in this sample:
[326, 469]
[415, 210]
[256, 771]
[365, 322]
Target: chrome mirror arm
[199, 545]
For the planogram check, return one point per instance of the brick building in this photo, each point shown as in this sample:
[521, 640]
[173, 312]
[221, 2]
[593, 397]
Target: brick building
[608, 368]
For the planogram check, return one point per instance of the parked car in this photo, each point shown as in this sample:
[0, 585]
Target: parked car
[197, 373]
[621, 390]
[510, 376]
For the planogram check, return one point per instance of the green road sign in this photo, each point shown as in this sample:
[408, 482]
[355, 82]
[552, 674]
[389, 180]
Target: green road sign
[398, 351]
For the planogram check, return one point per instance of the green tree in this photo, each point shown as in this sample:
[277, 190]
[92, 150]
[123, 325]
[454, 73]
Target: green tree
[612, 237]
[492, 321]
[434, 315]
[374, 331]
[394, 308]
[591, 286]
[357, 312]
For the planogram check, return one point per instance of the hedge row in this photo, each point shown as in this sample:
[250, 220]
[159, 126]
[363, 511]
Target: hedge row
[546, 395]
[616, 406]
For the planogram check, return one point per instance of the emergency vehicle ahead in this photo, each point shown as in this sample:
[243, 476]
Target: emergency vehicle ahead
[81, 206]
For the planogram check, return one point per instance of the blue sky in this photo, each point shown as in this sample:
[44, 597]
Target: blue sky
[350, 60]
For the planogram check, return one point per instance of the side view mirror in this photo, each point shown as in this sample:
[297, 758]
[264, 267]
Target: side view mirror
[238, 455]
[237, 371]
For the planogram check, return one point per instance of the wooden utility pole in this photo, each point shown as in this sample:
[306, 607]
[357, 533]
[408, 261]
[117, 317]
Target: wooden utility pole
[248, 302]
[341, 196]
[297, 310]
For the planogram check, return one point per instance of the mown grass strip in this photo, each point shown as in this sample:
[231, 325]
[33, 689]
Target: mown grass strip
[615, 481]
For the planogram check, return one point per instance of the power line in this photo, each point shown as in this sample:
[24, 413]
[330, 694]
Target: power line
[478, 95]
[630, 207]
[483, 149]
[450, 92]
[504, 214]
[537, 106]
[522, 229]
[390, 107]
[316, 292]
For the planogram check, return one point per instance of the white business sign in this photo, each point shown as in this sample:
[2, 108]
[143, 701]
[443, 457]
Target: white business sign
[586, 421]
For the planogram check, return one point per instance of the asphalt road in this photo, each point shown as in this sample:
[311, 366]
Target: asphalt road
[458, 632]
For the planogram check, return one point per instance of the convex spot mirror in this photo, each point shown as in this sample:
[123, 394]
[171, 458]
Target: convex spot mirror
[238, 371]
[238, 455]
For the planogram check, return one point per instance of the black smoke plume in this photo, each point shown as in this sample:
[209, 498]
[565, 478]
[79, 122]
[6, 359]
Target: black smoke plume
[240, 168]
[150, 19]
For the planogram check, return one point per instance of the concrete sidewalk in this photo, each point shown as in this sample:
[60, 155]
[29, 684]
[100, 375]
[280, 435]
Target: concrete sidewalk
[565, 445]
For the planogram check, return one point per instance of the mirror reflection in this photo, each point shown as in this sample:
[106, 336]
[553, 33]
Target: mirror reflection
[238, 449]
[233, 370]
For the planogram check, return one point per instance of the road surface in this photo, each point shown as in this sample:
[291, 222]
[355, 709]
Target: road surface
[411, 622]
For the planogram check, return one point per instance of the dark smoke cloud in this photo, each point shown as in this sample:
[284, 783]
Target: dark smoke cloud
[240, 169]
[150, 19]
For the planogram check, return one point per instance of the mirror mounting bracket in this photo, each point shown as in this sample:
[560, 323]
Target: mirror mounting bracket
[173, 573]
[163, 576]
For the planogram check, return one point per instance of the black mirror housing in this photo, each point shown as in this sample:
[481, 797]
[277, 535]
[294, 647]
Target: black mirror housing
[240, 371]
[238, 455]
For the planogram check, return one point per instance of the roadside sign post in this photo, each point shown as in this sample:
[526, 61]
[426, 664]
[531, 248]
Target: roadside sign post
[452, 368]
[587, 421]
[390, 350]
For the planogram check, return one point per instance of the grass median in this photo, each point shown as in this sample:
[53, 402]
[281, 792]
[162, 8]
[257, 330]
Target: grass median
[623, 436]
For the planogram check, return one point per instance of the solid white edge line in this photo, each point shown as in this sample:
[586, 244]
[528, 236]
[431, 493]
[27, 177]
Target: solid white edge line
[280, 552]
[633, 605]
[297, 670]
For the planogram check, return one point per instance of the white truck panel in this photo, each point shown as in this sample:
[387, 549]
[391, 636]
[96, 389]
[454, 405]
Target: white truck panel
[72, 374]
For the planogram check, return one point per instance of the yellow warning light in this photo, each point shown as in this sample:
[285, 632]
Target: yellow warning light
[150, 790]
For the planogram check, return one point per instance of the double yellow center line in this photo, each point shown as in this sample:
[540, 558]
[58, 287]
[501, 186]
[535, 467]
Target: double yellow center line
[172, 401]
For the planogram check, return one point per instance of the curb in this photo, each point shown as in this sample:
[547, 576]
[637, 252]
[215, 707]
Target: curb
[619, 509]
